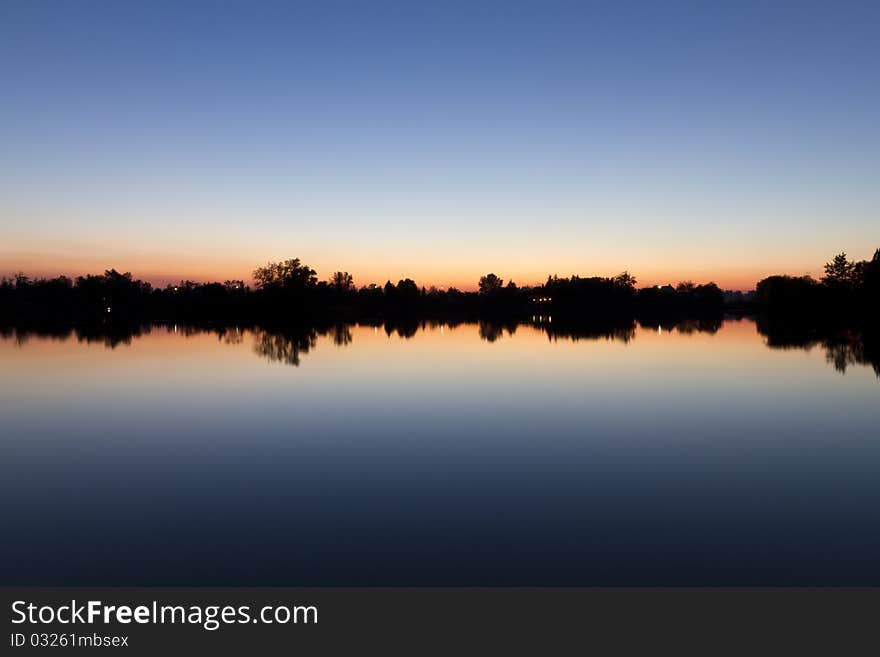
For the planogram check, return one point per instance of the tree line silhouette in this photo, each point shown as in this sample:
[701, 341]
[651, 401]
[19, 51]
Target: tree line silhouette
[848, 288]
[291, 290]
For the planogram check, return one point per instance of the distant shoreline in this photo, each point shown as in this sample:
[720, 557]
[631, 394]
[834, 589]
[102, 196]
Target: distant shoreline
[290, 291]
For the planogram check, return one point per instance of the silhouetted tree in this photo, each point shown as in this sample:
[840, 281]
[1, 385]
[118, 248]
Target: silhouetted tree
[841, 273]
[837, 271]
[407, 289]
[235, 286]
[788, 293]
[111, 292]
[625, 280]
[708, 295]
[490, 284]
[342, 281]
[871, 283]
[288, 274]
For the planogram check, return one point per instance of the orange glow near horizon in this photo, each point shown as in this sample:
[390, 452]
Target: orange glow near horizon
[455, 256]
[161, 274]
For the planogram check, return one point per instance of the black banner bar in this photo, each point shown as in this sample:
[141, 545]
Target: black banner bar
[412, 621]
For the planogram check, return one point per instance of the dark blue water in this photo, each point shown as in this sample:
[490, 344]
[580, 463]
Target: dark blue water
[359, 456]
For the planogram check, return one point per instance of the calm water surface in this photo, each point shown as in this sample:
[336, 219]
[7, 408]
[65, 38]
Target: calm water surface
[437, 455]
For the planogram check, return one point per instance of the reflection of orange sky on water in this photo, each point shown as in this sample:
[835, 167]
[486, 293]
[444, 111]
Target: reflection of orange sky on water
[179, 343]
[439, 365]
[212, 366]
[159, 343]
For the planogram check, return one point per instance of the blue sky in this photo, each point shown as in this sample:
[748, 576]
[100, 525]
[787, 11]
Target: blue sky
[439, 140]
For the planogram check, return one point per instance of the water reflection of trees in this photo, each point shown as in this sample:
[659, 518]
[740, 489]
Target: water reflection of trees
[109, 335]
[285, 346]
[290, 343]
[620, 331]
[688, 326]
[844, 348]
[341, 335]
[846, 354]
[231, 335]
[21, 335]
[491, 331]
[556, 329]
[405, 327]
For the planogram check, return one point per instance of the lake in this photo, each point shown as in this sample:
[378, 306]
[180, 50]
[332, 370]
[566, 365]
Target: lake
[439, 454]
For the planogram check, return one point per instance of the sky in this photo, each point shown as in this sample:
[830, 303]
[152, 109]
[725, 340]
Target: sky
[439, 140]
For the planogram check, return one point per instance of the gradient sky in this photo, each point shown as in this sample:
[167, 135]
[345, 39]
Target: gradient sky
[711, 141]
